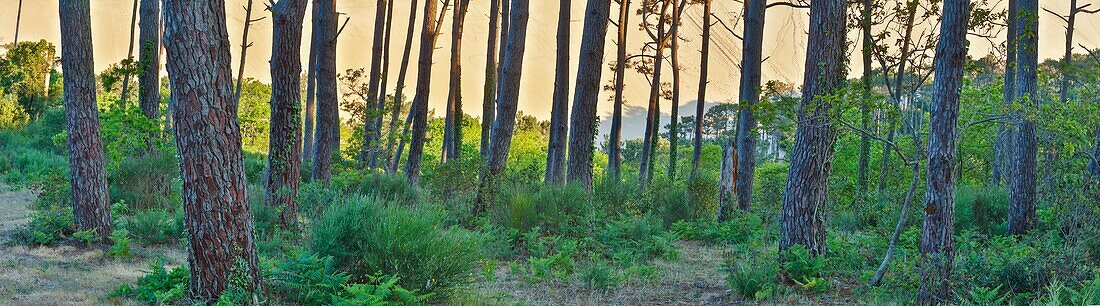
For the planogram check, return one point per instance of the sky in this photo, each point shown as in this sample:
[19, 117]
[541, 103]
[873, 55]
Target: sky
[784, 46]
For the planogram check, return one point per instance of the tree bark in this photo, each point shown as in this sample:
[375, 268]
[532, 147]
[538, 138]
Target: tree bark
[215, 192]
[452, 126]
[674, 121]
[1004, 146]
[373, 107]
[726, 181]
[488, 106]
[284, 161]
[326, 148]
[559, 115]
[649, 142]
[1021, 212]
[245, 44]
[1071, 18]
[91, 203]
[399, 97]
[938, 242]
[865, 103]
[18, 18]
[311, 95]
[700, 106]
[508, 94]
[806, 196]
[750, 95]
[149, 55]
[382, 94]
[582, 125]
[428, 37]
[129, 56]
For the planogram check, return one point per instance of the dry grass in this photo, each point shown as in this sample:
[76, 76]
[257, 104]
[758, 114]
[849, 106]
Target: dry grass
[63, 275]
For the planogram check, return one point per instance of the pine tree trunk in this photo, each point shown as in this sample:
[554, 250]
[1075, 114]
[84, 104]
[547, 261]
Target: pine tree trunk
[559, 115]
[1021, 212]
[674, 124]
[1063, 93]
[582, 125]
[727, 178]
[310, 98]
[1004, 145]
[899, 78]
[326, 148]
[130, 56]
[1094, 160]
[377, 155]
[149, 55]
[700, 106]
[488, 106]
[428, 37]
[284, 161]
[508, 93]
[91, 203]
[649, 142]
[375, 76]
[245, 44]
[864, 163]
[806, 196]
[938, 242]
[750, 95]
[452, 127]
[615, 140]
[215, 192]
[394, 158]
[18, 18]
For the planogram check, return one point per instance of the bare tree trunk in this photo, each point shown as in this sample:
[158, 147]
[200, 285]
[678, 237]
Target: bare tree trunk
[91, 203]
[700, 106]
[488, 105]
[903, 218]
[397, 105]
[615, 143]
[674, 124]
[401, 147]
[750, 95]
[327, 131]
[428, 37]
[865, 102]
[245, 44]
[129, 56]
[308, 142]
[215, 199]
[649, 142]
[582, 125]
[508, 95]
[452, 127]
[1021, 212]
[394, 158]
[372, 106]
[1004, 145]
[727, 178]
[18, 18]
[149, 55]
[284, 160]
[1071, 18]
[559, 115]
[806, 196]
[899, 79]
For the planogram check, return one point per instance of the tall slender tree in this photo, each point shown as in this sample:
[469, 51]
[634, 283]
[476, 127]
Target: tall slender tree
[864, 163]
[938, 242]
[372, 106]
[379, 155]
[674, 118]
[615, 139]
[309, 128]
[1021, 211]
[806, 195]
[910, 11]
[582, 125]
[1066, 65]
[751, 59]
[91, 203]
[452, 127]
[394, 158]
[18, 19]
[559, 115]
[1004, 145]
[508, 93]
[701, 101]
[488, 105]
[215, 199]
[649, 141]
[245, 44]
[428, 36]
[129, 56]
[326, 145]
[284, 160]
[149, 59]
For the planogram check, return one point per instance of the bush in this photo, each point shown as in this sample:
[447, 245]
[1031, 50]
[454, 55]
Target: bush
[749, 275]
[147, 182]
[307, 279]
[637, 239]
[364, 237]
[154, 227]
[47, 226]
[739, 229]
[385, 187]
[159, 286]
[800, 266]
[982, 209]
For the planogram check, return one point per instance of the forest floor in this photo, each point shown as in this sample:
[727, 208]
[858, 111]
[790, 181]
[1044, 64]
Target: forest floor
[64, 274]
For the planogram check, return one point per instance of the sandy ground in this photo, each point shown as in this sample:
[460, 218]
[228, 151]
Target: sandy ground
[62, 275]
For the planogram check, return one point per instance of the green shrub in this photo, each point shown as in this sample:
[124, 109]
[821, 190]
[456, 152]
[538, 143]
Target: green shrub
[800, 266]
[982, 209]
[121, 248]
[364, 237]
[159, 286]
[739, 229]
[307, 279]
[147, 182]
[637, 239]
[381, 291]
[750, 275]
[154, 227]
[387, 188]
[600, 276]
[47, 226]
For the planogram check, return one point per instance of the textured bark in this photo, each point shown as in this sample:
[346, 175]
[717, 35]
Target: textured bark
[938, 242]
[245, 44]
[215, 192]
[428, 37]
[311, 95]
[1004, 146]
[327, 130]
[488, 106]
[373, 107]
[727, 179]
[559, 114]
[129, 55]
[649, 141]
[149, 55]
[806, 196]
[865, 102]
[750, 95]
[394, 158]
[508, 93]
[284, 160]
[91, 203]
[1021, 212]
[674, 123]
[582, 125]
[700, 106]
[382, 94]
[452, 127]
